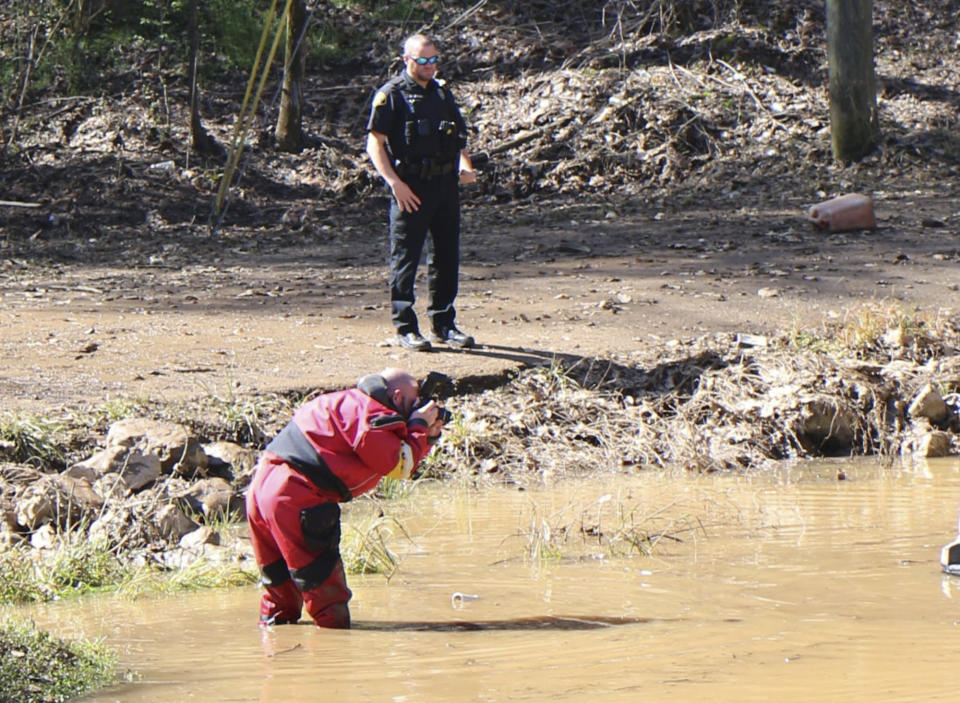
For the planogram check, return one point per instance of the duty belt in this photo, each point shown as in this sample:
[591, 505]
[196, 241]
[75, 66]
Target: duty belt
[295, 449]
[426, 170]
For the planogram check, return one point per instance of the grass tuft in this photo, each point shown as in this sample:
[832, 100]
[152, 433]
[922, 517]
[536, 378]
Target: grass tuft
[543, 539]
[29, 439]
[36, 667]
[78, 566]
[874, 329]
[364, 549]
[244, 418]
[620, 530]
[198, 576]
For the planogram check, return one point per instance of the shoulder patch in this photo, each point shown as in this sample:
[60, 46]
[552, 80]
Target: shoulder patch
[443, 95]
[379, 99]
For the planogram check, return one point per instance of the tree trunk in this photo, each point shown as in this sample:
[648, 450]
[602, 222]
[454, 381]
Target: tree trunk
[289, 132]
[202, 142]
[86, 11]
[83, 13]
[853, 93]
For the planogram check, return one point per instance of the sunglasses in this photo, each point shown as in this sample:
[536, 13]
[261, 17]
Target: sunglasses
[424, 61]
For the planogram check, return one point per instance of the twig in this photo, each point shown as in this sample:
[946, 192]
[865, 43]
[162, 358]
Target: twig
[465, 15]
[72, 105]
[15, 203]
[748, 89]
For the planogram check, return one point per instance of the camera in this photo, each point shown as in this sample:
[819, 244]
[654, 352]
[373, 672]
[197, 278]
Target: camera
[428, 389]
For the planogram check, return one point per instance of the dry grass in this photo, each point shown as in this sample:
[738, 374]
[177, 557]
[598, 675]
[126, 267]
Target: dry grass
[364, 549]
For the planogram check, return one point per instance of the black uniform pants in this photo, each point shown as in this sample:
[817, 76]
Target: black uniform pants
[439, 214]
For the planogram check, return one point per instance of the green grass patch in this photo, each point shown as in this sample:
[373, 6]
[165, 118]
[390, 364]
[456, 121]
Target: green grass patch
[36, 667]
[116, 409]
[198, 576]
[29, 439]
[79, 567]
[243, 420]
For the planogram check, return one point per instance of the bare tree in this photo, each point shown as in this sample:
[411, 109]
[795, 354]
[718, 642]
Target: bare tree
[289, 131]
[202, 142]
[853, 92]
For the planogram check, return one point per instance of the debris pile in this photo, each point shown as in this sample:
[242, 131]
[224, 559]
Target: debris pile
[716, 405]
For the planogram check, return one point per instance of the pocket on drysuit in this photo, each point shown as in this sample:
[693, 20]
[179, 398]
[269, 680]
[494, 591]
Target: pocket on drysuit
[321, 527]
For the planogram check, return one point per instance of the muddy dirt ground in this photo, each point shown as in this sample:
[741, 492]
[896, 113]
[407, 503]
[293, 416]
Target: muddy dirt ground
[537, 281]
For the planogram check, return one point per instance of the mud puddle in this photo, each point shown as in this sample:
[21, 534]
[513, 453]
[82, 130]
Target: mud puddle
[789, 585]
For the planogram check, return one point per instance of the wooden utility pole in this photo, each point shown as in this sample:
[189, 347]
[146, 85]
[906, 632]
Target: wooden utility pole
[853, 91]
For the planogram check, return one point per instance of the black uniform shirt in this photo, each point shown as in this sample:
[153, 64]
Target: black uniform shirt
[401, 100]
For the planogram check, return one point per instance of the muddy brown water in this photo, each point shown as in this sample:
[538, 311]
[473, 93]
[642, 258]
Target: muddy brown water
[787, 585]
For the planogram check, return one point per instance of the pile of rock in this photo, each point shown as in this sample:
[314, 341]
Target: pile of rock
[152, 488]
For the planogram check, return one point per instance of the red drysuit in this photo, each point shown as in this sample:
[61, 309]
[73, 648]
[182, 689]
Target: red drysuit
[337, 446]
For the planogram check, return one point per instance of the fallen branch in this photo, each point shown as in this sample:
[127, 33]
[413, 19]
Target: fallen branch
[521, 138]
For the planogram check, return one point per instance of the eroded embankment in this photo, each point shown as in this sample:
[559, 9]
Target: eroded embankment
[158, 484]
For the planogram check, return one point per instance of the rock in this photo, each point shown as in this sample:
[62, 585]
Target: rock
[8, 520]
[200, 537]
[931, 445]
[214, 497]
[44, 537]
[174, 524]
[928, 403]
[79, 493]
[59, 500]
[83, 470]
[136, 468]
[112, 487]
[103, 462]
[35, 510]
[139, 470]
[112, 527]
[241, 460]
[177, 451]
[9, 539]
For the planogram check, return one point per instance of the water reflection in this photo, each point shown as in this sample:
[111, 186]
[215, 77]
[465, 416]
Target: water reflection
[790, 585]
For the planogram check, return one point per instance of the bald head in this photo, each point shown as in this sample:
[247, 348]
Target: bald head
[402, 388]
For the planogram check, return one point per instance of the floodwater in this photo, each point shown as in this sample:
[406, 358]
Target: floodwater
[787, 585]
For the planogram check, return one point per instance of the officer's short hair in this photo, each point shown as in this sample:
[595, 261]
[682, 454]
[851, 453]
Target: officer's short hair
[418, 39]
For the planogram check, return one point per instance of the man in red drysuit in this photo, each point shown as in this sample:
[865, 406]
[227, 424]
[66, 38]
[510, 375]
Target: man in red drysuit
[337, 446]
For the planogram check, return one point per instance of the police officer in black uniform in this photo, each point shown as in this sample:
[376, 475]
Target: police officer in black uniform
[417, 139]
